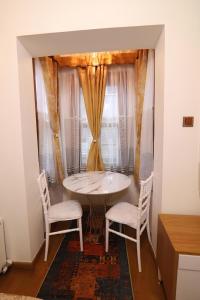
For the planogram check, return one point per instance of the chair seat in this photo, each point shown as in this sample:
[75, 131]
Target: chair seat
[124, 213]
[66, 210]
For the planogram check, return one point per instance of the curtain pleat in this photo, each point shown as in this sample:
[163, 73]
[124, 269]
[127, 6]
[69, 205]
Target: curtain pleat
[93, 82]
[140, 79]
[118, 126]
[146, 143]
[69, 107]
[45, 143]
[50, 73]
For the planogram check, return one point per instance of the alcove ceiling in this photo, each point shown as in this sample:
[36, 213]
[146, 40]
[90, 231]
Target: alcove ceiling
[96, 58]
[91, 40]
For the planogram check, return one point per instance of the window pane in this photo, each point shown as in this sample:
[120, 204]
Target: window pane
[110, 103]
[85, 134]
[110, 130]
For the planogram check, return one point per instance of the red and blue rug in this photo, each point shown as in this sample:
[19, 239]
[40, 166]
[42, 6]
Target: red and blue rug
[91, 275]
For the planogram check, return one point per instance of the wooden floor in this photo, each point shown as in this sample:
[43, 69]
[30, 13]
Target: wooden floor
[28, 281]
[146, 285]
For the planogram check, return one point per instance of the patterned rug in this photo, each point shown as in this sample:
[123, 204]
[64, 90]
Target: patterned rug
[91, 275]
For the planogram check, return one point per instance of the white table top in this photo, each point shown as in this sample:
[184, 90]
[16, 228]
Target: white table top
[96, 183]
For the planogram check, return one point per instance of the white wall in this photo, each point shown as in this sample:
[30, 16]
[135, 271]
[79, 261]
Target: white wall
[176, 179]
[30, 157]
[158, 137]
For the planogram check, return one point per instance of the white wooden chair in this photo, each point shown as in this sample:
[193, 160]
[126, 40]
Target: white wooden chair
[63, 211]
[136, 217]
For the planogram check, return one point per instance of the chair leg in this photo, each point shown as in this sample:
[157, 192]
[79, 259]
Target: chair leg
[107, 234]
[149, 234]
[46, 242]
[159, 276]
[80, 234]
[138, 252]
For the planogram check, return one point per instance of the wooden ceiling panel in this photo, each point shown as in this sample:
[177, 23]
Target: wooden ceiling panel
[97, 58]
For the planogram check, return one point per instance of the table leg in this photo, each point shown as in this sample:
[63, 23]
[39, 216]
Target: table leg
[106, 198]
[94, 220]
[90, 215]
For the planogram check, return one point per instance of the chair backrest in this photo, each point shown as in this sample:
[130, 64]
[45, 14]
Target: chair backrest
[145, 197]
[44, 192]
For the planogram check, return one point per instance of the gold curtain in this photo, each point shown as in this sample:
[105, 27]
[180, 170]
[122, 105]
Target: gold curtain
[93, 82]
[50, 73]
[140, 80]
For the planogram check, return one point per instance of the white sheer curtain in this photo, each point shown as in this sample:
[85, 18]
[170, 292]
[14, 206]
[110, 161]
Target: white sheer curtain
[69, 100]
[46, 157]
[146, 149]
[117, 132]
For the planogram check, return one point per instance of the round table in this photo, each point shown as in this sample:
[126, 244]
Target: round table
[96, 183]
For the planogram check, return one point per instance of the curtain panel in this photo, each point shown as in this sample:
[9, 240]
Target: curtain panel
[50, 73]
[70, 120]
[93, 83]
[140, 80]
[147, 127]
[45, 141]
[118, 129]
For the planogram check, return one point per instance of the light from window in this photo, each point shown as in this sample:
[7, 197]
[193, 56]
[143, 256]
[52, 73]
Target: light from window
[109, 131]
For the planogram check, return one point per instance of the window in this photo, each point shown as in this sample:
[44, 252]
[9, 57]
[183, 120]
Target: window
[85, 134]
[109, 139]
[118, 125]
[110, 128]
[117, 131]
[117, 137]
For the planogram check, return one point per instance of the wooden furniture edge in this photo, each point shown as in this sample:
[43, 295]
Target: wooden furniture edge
[164, 245]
